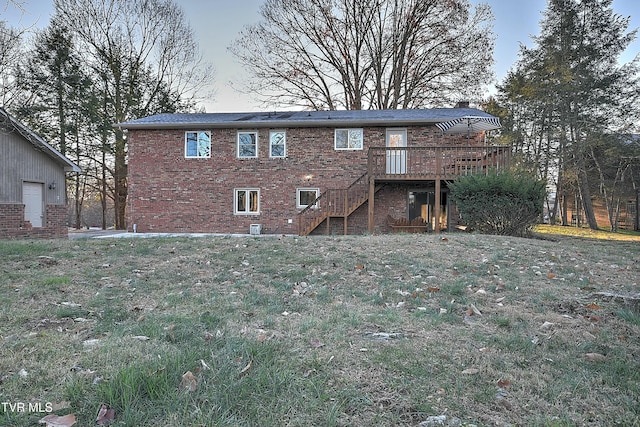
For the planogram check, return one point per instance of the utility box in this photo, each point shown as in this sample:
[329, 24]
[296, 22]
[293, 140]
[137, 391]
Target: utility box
[255, 229]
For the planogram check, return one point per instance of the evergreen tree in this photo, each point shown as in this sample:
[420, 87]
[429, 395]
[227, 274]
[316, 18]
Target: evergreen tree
[570, 86]
[60, 105]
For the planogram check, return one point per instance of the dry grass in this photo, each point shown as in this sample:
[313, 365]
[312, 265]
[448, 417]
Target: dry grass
[369, 330]
[587, 233]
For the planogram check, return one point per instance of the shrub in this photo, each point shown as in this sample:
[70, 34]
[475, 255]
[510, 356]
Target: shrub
[506, 203]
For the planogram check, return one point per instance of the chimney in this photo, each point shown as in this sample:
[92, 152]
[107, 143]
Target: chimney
[462, 104]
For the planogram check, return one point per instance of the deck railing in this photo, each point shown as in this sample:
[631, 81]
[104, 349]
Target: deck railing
[444, 162]
[334, 202]
[403, 163]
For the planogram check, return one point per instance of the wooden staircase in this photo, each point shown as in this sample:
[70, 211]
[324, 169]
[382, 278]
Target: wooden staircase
[335, 203]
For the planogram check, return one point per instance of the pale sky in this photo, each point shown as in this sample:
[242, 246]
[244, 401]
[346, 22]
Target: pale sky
[217, 23]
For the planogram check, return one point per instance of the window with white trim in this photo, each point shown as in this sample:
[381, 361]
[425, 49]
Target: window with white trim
[247, 144]
[246, 201]
[197, 144]
[348, 139]
[277, 143]
[306, 196]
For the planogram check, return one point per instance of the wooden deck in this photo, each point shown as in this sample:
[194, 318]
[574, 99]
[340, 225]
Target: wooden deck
[406, 164]
[431, 163]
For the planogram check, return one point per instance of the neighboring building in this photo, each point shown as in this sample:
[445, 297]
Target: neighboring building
[32, 183]
[262, 172]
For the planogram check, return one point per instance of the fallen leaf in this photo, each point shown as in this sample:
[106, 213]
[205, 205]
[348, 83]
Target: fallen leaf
[359, 267]
[53, 420]
[593, 306]
[433, 289]
[105, 415]
[595, 357]
[504, 402]
[475, 310]
[246, 368]
[503, 383]
[594, 318]
[546, 325]
[551, 275]
[316, 343]
[189, 382]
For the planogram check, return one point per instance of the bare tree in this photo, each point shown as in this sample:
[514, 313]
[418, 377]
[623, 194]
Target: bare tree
[146, 54]
[11, 51]
[364, 54]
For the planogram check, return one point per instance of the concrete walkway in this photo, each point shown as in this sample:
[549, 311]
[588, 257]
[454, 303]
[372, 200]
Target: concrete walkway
[102, 234]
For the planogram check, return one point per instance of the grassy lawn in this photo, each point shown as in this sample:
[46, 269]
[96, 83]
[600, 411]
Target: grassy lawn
[558, 230]
[325, 331]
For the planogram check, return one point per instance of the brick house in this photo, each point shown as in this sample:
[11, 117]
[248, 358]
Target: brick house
[33, 199]
[309, 172]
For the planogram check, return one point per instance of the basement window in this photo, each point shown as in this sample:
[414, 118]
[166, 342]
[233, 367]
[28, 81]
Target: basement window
[246, 201]
[197, 144]
[348, 139]
[306, 196]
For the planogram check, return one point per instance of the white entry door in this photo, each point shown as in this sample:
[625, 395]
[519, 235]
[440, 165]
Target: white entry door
[397, 159]
[33, 203]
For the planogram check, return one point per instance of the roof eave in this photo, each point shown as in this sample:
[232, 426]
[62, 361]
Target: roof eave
[278, 124]
[41, 144]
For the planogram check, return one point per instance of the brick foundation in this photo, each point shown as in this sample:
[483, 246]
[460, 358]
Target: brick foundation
[13, 225]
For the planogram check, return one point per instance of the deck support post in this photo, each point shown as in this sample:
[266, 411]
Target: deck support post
[372, 193]
[346, 212]
[437, 207]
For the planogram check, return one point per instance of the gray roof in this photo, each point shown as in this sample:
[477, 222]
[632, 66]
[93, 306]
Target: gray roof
[37, 141]
[333, 118]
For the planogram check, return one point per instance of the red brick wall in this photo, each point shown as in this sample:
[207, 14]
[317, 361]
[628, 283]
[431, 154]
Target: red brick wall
[168, 193]
[13, 225]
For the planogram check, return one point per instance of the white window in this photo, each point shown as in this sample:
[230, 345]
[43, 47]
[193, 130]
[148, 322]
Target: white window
[197, 144]
[348, 139]
[277, 143]
[306, 196]
[246, 201]
[247, 144]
